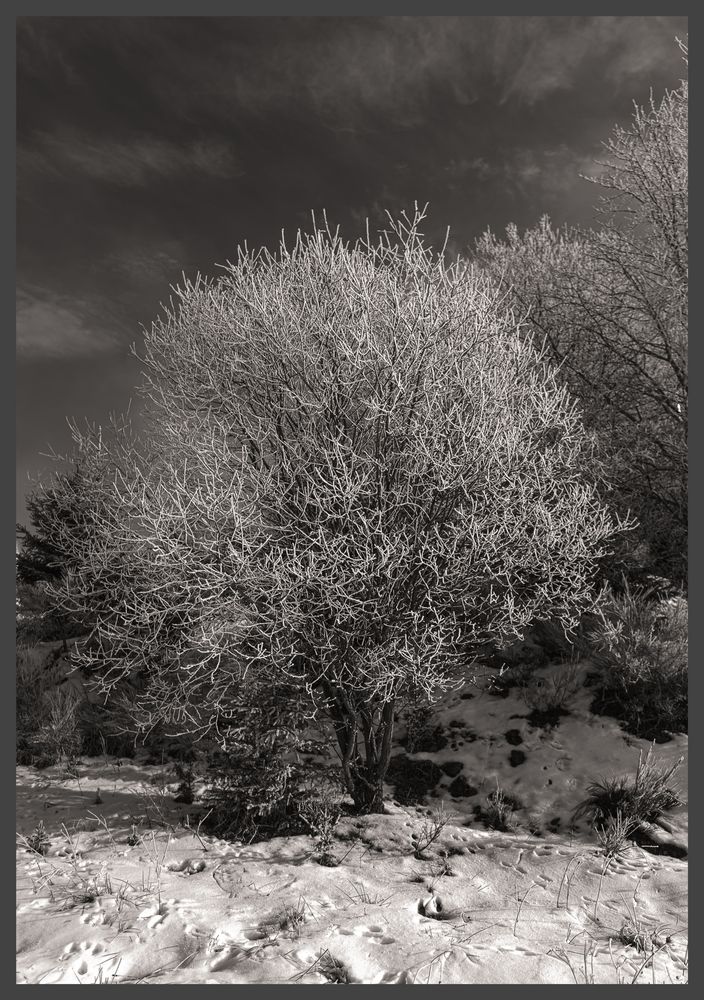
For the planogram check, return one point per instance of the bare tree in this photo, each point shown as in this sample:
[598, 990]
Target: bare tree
[359, 471]
[611, 306]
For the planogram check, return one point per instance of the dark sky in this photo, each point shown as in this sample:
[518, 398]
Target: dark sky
[151, 146]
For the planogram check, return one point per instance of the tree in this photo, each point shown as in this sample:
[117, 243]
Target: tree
[611, 305]
[40, 562]
[358, 473]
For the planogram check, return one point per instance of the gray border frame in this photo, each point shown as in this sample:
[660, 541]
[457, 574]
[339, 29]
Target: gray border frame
[239, 8]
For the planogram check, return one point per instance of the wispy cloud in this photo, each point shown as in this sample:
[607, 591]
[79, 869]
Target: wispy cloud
[145, 263]
[349, 70]
[49, 326]
[526, 171]
[355, 69]
[124, 162]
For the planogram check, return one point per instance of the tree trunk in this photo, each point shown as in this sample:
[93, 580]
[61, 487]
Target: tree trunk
[368, 796]
[368, 792]
[363, 775]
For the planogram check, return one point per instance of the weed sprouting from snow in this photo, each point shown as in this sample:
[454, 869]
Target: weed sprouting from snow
[288, 920]
[583, 974]
[568, 876]
[331, 968]
[320, 809]
[520, 900]
[500, 812]
[429, 832]
[636, 801]
[614, 834]
[37, 842]
[359, 893]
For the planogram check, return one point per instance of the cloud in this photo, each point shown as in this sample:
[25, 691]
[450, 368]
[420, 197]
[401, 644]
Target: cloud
[354, 70]
[457, 170]
[525, 171]
[147, 264]
[49, 326]
[351, 71]
[123, 162]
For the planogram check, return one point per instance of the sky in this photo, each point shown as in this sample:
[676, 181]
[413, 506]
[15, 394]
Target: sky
[148, 148]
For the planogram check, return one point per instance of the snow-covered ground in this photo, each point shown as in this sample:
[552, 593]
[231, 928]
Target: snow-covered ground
[127, 893]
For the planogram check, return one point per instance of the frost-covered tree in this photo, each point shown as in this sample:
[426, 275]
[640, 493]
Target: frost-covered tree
[40, 563]
[359, 471]
[611, 305]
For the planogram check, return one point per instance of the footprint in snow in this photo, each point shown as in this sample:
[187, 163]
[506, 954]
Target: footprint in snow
[88, 947]
[375, 934]
[156, 914]
[188, 866]
[253, 934]
[95, 917]
[225, 953]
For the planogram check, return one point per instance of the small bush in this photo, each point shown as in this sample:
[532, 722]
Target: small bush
[30, 687]
[549, 698]
[630, 802]
[641, 645]
[500, 811]
[37, 842]
[59, 735]
[251, 795]
[186, 775]
[429, 832]
[422, 734]
[105, 731]
[320, 809]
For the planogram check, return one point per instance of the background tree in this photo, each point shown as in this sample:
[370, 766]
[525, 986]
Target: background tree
[611, 306]
[40, 562]
[360, 472]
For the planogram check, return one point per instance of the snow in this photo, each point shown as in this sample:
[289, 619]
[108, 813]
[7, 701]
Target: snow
[130, 892]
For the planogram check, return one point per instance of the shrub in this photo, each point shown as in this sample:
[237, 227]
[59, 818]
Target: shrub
[256, 770]
[357, 471]
[37, 842]
[105, 730]
[30, 687]
[422, 735]
[500, 811]
[250, 795]
[186, 775]
[630, 803]
[320, 809]
[556, 644]
[429, 832]
[549, 697]
[46, 714]
[59, 734]
[641, 645]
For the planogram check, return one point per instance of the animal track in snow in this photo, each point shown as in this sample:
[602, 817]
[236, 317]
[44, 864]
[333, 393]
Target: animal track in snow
[88, 947]
[156, 914]
[227, 956]
[189, 866]
[95, 917]
[254, 934]
[375, 934]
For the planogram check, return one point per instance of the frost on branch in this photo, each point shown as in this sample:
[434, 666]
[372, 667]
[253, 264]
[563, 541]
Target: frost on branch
[358, 472]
